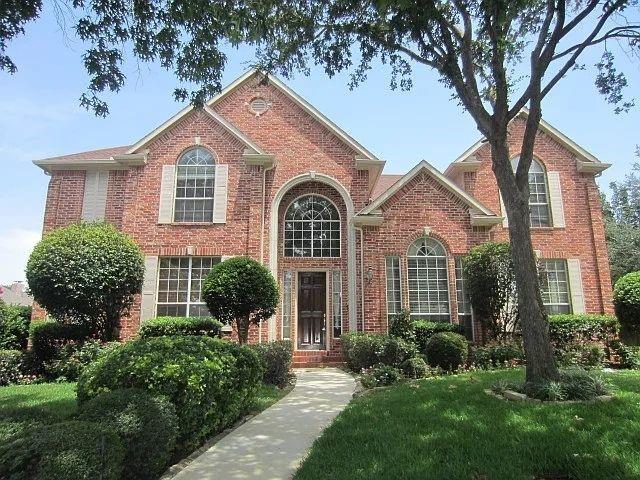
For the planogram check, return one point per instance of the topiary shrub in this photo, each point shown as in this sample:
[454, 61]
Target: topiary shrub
[394, 351]
[276, 359]
[425, 330]
[568, 329]
[48, 337]
[361, 350]
[159, 326]
[502, 354]
[415, 367]
[12, 366]
[210, 381]
[626, 299]
[381, 376]
[86, 273]
[72, 358]
[14, 326]
[146, 424]
[71, 450]
[447, 350]
[402, 326]
[241, 291]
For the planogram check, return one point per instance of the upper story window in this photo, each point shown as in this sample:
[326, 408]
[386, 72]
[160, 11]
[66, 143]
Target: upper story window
[195, 183]
[538, 194]
[428, 280]
[312, 228]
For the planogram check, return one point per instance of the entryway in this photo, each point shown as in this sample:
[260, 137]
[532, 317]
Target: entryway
[312, 310]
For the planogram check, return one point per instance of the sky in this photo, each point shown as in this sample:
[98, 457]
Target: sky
[40, 117]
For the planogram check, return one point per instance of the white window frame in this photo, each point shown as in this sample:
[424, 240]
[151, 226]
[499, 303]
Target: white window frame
[212, 177]
[284, 229]
[547, 204]
[567, 282]
[461, 291]
[336, 303]
[397, 294]
[438, 317]
[287, 299]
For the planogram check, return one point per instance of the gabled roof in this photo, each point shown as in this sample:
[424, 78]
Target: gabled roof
[99, 154]
[440, 178]
[383, 184]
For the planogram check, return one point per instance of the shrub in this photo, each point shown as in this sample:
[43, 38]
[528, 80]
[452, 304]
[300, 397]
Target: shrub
[574, 384]
[626, 299]
[12, 366]
[276, 360]
[425, 330]
[241, 290]
[394, 351]
[415, 367]
[210, 381]
[147, 426]
[157, 327]
[498, 355]
[567, 329]
[402, 326]
[581, 354]
[47, 337]
[447, 350]
[70, 450]
[629, 356]
[86, 273]
[360, 350]
[381, 376]
[14, 326]
[72, 358]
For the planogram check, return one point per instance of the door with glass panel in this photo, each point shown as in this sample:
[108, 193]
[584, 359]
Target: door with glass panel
[312, 307]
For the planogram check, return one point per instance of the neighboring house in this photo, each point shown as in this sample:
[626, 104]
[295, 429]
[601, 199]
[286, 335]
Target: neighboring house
[260, 172]
[15, 294]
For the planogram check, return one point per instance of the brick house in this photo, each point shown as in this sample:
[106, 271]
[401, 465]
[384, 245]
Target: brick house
[260, 172]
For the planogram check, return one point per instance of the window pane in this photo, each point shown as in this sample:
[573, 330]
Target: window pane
[312, 228]
[336, 302]
[554, 286]
[394, 295]
[195, 184]
[428, 280]
[538, 196]
[286, 304]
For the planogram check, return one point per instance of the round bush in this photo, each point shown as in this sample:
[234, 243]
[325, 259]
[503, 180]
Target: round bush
[381, 376]
[87, 272]
[415, 367]
[71, 450]
[276, 359]
[447, 350]
[147, 426]
[211, 382]
[12, 366]
[157, 327]
[394, 351]
[626, 299]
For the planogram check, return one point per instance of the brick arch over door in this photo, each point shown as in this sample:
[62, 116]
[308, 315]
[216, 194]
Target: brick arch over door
[349, 240]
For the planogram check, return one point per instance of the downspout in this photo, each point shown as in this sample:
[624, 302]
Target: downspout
[262, 224]
[361, 275]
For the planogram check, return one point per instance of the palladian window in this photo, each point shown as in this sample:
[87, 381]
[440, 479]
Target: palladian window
[312, 228]
[538, 194]
[195, 182]
[428, 280]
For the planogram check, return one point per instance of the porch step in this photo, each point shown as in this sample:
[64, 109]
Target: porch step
[316, 358]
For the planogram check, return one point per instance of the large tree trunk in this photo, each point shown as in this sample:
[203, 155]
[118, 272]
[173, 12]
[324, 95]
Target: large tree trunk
[533, 320]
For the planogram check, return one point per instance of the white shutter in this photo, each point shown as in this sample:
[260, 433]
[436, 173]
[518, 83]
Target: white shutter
[555, 199]
[167, 187]
[148, 302]
[503, 209]
[575, 285]
[220, 194]
[94, 201]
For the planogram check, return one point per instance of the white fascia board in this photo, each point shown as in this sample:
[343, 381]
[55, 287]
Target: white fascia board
[481, 220]
[367, 220]
[591, 167]
[231, 128]
[263, 160]
[82, 164]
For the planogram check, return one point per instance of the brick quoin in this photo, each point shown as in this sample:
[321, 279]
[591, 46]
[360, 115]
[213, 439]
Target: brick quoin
[304, 145]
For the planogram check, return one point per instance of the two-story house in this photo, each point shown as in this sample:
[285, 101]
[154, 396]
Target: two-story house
[260, 172]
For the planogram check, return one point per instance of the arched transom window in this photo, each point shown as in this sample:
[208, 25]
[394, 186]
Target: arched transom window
[195, 183]
[428, 280]
[312, 228]
[538, 194]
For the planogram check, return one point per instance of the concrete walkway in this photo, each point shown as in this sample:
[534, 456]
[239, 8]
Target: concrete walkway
[271, 445]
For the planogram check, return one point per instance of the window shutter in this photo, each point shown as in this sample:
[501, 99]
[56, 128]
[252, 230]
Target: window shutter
[148, 302]
[555, 199]
[503, 209]
[220, 194]
[167, 187]
[575, 285]
[94, 201]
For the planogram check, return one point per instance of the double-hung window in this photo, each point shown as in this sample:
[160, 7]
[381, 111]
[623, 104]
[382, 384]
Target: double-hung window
[554, 286]
[428, 280]
[465, 317]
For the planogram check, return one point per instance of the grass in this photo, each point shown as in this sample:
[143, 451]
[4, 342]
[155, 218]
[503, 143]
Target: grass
[267, 396]
[448, 428]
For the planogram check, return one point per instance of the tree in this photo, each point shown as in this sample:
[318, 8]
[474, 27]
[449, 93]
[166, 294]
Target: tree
[490, 283]
[86, 273]
[240, 290]
[497, 56]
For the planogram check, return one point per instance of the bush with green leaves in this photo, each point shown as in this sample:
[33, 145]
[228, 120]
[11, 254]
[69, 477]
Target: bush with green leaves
[12, 366]
[402, 326]
[447, 350]
[415, 367]
[86, 273]
[210, 381]
[629, 356]
[498, 354]
[395, 351]
[159, 326]
[425, 330]
[276, 359]
[47, 337]
[626, 299]
[580, 328]
[146, 424]
[586, 355]
[14, 326]
[71, 359]
[380, 375]
[360, 350]
[71, 450]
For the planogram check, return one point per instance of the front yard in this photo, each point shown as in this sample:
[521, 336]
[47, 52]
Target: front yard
[448, 428]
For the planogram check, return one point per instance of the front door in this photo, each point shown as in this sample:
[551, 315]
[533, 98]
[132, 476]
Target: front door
[312, 307]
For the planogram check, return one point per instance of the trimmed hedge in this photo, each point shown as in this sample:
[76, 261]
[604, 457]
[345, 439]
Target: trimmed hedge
[14, 326]
[360, 350]
[159, 326]
[447, 350]
[70, 450]
[12, 366]
[566, 329]
[71, 359]
[147, 426]
[626, 299]
[395, 351]
[48, 336]
[276, 359]
[210, 381]
[425, 330]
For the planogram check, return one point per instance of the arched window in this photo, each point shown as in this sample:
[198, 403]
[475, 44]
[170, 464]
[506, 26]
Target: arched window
[428, 280]
[195, 182]
[312, 228]
[538, 193]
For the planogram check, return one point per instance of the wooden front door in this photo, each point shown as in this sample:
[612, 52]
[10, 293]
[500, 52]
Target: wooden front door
[312, 307]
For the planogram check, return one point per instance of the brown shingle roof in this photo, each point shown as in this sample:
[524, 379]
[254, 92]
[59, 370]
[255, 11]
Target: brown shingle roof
[384, 183]
[100, 154]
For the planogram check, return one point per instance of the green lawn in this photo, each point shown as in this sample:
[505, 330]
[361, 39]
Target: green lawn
[448, 428]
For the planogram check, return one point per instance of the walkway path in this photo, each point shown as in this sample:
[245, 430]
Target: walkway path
[271, 445]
